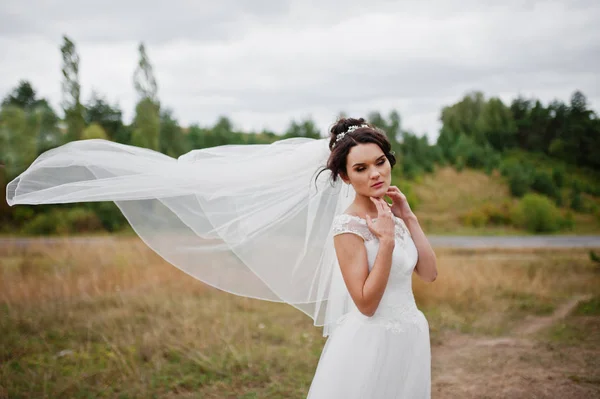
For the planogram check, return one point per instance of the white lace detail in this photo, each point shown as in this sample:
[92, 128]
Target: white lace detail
[345, 223]
[394, 318]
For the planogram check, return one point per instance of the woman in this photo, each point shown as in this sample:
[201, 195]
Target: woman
[259, 221]
[380, 348]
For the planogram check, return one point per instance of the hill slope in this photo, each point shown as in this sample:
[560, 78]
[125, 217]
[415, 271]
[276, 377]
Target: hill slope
[450, 200]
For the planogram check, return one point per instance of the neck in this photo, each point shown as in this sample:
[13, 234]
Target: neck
[363, 204]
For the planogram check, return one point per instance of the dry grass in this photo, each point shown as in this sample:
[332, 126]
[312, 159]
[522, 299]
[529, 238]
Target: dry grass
[488, 291]
[114, 320]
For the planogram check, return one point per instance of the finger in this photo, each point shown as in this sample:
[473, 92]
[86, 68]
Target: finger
[377, 204]
[384, 208]
[392, 193]
[369, 222]
[380, 206]
[374, 200]
[387, 205]
[397, 194]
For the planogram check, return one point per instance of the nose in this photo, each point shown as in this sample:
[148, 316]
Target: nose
[375, 174]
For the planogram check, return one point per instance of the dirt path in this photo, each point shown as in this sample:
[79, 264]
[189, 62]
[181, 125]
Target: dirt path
[515, 366]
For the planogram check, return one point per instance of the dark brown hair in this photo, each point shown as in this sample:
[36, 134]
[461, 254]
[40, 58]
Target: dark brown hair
[363, 135]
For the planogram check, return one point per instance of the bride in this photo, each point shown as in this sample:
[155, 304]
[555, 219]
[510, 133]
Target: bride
[300, 221]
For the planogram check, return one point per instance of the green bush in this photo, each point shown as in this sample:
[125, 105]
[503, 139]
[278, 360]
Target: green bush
[109, 214]
[567, 222]
[410, 169]
[537, 214]
[81, 220]
[45, 223]
[63, 221]
[519, 176]
[544, 184]
[519, 184]
[474, 218]
[411, 197]
[558, 176]
[498, 215]
[22, 214]
[576, 201]
[459, 163]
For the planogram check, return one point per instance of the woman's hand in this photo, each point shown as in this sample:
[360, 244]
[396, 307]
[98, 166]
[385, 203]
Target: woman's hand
[400, 206]
[385, 226]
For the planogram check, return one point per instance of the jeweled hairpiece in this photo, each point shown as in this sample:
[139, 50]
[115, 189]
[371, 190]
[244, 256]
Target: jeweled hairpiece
[350, 130]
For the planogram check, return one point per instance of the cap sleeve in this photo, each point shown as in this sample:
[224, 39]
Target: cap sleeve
[344, 223]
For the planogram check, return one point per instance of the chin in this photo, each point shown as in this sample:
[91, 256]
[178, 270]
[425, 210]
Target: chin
[379, 192]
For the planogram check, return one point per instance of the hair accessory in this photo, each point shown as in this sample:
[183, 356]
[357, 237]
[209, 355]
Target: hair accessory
[350, 130]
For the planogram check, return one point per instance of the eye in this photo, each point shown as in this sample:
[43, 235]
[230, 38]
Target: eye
[381, 162]
[360, 169]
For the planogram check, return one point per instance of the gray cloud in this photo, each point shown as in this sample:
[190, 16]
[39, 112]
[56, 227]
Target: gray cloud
[266, 62]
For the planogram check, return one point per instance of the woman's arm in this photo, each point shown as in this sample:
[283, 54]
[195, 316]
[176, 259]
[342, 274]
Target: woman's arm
[366, 289]
[426, 267]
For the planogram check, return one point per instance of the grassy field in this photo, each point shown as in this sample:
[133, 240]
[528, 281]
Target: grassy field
[114, 320]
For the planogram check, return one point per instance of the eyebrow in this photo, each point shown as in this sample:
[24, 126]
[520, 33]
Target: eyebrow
[358, 164]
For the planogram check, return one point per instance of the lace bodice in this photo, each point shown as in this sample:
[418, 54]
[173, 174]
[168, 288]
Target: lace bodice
[397, 307]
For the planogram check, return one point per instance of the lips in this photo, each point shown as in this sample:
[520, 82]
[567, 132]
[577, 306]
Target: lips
[377, 185]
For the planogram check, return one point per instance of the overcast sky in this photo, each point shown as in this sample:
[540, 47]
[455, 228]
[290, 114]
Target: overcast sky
[263, 63]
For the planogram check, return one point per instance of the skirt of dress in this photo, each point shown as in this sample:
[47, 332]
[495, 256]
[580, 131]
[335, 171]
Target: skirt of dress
[375, 361]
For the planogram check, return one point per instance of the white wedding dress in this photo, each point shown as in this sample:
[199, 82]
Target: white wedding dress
[388, 355]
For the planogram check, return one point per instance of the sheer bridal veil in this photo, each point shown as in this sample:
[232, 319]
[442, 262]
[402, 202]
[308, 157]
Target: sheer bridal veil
[252, 220]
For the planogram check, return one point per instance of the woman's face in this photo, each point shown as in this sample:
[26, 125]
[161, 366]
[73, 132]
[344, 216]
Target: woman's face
[369, 171]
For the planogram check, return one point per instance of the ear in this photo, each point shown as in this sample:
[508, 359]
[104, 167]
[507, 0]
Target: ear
[344, 177]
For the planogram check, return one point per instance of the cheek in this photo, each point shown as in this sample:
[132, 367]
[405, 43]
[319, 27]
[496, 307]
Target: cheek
[358, 179]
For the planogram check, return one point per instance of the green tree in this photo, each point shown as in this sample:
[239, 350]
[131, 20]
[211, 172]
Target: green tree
[172, 141]
[306, 128]
[40, 114]
[71, 90]
[23, 96]
[143, 77]
[495, 123]
[18, 139]
[110, 117]
[196, 137]
[146, 124]
[49, 135]
[94, 131]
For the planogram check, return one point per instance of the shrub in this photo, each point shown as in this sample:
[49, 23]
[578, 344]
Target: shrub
[109, 214]
[537, 214]
[558, 176]
[498, 215]
[567, 221]
[544, 184]
[576, 201]
[474, 218]
[82, 220]
[519, 184]
[45, 223]
[411, 197]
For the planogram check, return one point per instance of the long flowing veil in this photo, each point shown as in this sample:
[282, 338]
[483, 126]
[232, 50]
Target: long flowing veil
[252, 220]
